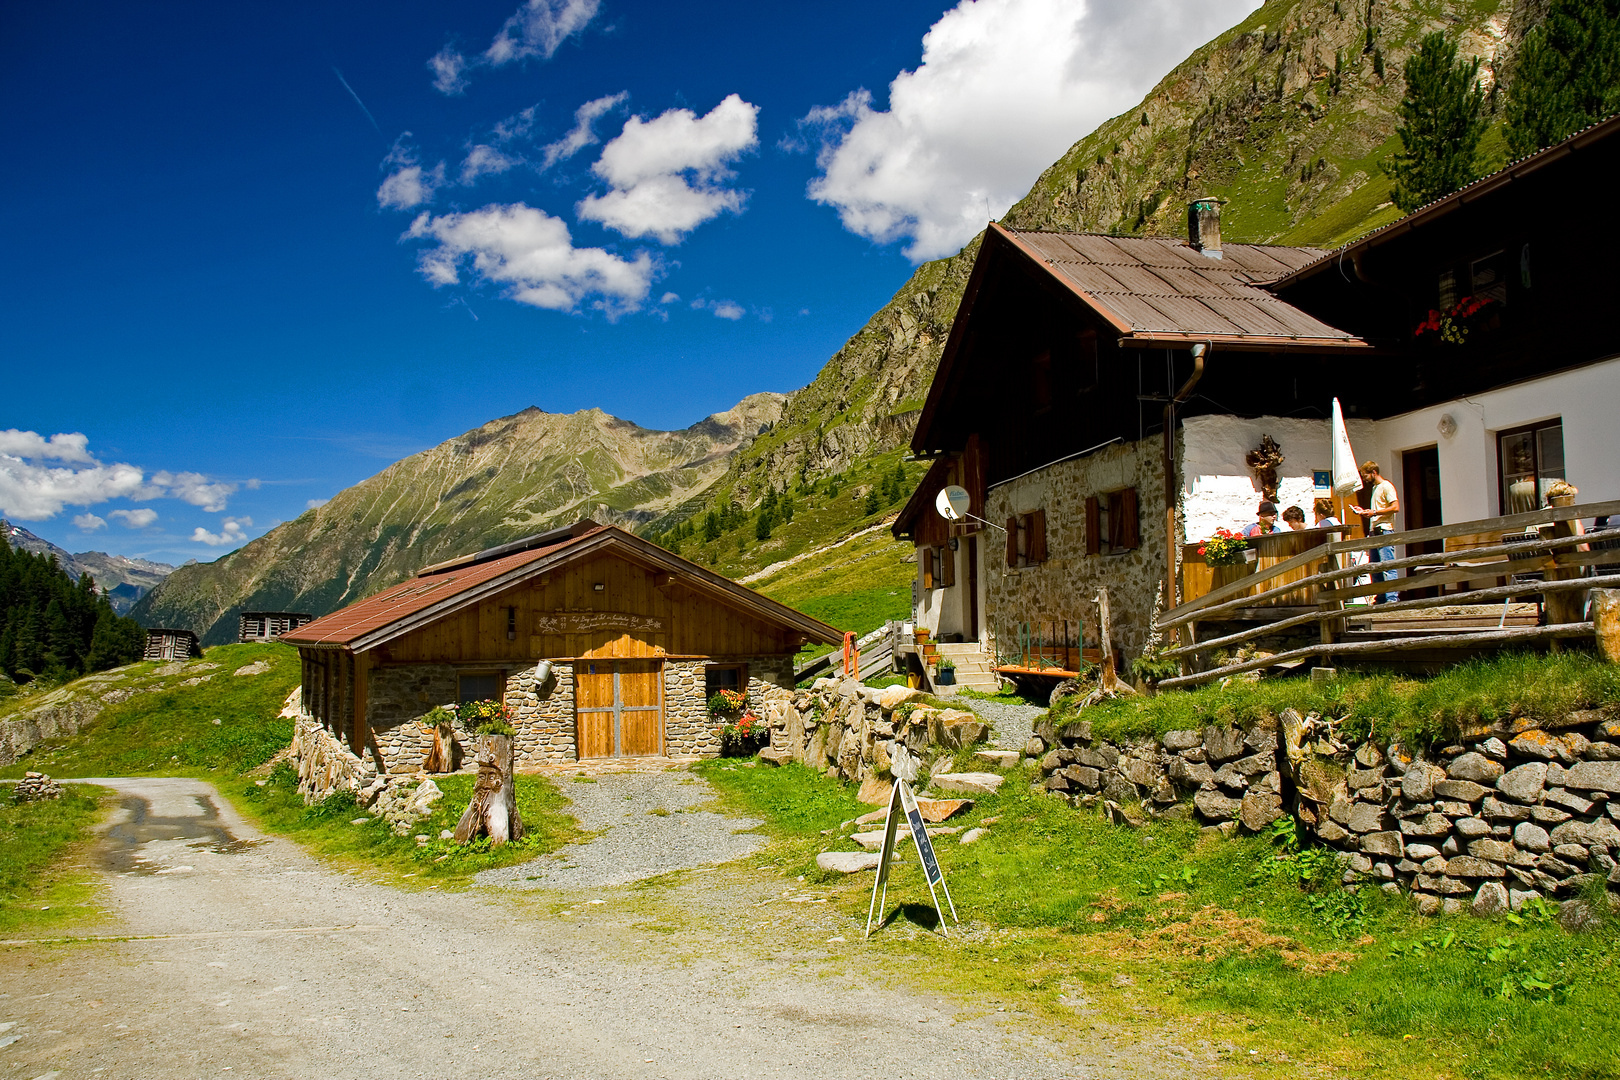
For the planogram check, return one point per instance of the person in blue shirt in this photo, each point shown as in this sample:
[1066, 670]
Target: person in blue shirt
[1266, 519]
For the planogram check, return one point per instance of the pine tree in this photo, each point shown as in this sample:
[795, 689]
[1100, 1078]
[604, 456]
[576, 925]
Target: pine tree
[1442, 121]
[786, 508]
[874, 501]
[762, 526]
[1567, 75]
[711, 527]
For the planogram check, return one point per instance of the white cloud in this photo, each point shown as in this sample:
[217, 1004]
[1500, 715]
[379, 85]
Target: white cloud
[669, 298]
[316, 504]
[538, 28]
[135, 519]
[484, 160]
[581, 134]
[71, 448]
[89, 522]
[231, 533]
[531, 255]
[1004, 88]
[409, 184]
[666, 173]
[729, 309]
[194, 488]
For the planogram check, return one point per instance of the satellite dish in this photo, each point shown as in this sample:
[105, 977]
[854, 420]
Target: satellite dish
[952, 503]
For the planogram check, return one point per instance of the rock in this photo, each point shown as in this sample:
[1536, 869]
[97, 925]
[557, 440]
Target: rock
[1518, 897]
[1448, 847]
[1331, 832]
[772, 756]
[1368, 756]
[1555, 867]
[1366, 817]
[1496, 810]
[1449, 886]
[1452, 906]
[1142, 773]
[1493, 748]
[1076, 731]
[1229, 778]
[873, 841]
[971, 783]
[1117, 788]
[848, 862]
[1054, 760]
[1461, 790]
[1259, 809]
[1466, 866]
[1549, 815]
[1600, 833]
[1523, 784]
[1427, 903]
[1472, 828]
[1418, 783]
[1102, 757]
[1421, 852]
[973, 836]
[964, 733]
[1579, 917]
[1190, 774]
[1216, 807]
[1491, 899]
[1602, 751]
[892, 696]
[1115, 814]
[1531, 837]
[1594, 776]
[1574, 853]
[1388, 843]
[1083, 777]
[1436, 865]
[1383, 872]
[936, 810]
[1034, 746]
[1429, 825]
[1265, 762]
[1494, 850]
[36, 787]
[1359, 864]
[1475, 767]
[1001, 759]
[1568, 800]
[1177, 741]
[1222, 743]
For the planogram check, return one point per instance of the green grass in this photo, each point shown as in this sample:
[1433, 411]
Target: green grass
[1423, 711]
[37, 891]
[1248, 933]
[169, 728]
[325, 828]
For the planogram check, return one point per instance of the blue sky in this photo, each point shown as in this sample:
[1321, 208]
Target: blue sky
[259, 251]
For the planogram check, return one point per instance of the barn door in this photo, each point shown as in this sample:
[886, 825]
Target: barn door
[620, 707]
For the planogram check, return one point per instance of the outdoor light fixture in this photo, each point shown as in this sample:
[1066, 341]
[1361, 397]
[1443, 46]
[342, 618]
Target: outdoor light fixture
[1447, 427]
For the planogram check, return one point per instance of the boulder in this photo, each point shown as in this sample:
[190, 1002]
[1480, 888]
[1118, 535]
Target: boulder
[1491, 899]
[848, 862]
[1461, 790]
[937, 810]
[1466, 866]
[1476, 767]
[1216, 807]
[1418, 783]
[1494, 850]
[771, 756]
[1001, 759]
[964, 733]
[1190, 774]
[1496, 810]
[1366, 817]
[873, 841]
[1594, 776]
[1177, 741]
[1523, 784]
[875, 792]
[896, 695]
[973, 836]
[1531, 837]
[1390, 844]
[972, 783]
[1223, 743]
[1599, 833]
[1259, 809]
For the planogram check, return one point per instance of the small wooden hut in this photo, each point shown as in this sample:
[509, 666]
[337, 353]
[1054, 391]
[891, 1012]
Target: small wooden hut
[600, 643]
[163, 643]
[257, 627]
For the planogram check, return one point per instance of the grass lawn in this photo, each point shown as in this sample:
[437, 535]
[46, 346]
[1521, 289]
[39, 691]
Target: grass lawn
[1251, 934]
[41, 890]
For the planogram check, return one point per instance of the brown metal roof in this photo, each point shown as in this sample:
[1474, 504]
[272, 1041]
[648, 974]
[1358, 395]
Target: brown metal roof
[437, 592]
[1158, 287]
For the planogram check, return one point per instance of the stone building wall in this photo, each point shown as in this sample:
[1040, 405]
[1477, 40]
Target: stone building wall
[544, 722]
[396, 697]
[688, 730]
[1063, 587]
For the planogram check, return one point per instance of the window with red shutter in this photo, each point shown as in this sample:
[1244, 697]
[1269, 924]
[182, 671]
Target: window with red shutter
[1035, 546]
[925, 556]
[1012, 541]
[1093, 526]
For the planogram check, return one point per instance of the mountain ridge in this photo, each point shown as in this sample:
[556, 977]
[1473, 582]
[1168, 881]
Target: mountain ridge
[124, 580]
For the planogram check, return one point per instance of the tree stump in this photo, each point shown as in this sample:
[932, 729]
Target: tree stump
[442, 758]
[493, 810]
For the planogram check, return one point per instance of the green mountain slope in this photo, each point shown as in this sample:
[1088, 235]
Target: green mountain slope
[512, 477]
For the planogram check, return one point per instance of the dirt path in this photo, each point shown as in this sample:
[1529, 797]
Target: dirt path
[244, 957]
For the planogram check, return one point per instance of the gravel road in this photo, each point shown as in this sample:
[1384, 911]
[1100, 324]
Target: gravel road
[239, 955]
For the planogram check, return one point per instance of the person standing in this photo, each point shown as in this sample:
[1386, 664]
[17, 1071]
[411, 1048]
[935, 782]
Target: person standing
[1379, 516]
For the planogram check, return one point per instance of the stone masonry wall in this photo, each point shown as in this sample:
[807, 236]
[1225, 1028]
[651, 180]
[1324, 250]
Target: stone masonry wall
[688, 731]
[544, 721]
[1063, 587]
[396, 697]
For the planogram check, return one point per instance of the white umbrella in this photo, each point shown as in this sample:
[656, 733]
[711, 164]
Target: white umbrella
[1346, 474]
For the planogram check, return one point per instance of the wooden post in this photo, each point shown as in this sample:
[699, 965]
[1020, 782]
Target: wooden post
[1110, 677]
[1606, 623]
[360, 732]
[1564, 607]
[493, 810]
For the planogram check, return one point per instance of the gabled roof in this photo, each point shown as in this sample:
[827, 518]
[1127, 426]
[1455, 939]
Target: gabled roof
[446, 588]
[922, 499]
[1161, 290]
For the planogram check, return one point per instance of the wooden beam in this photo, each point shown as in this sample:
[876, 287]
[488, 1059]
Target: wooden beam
[360, 733]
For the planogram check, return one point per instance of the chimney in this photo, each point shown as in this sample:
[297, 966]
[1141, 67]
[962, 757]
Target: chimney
[1204, 226]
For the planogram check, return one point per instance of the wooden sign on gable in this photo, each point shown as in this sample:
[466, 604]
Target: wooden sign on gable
[589, 622]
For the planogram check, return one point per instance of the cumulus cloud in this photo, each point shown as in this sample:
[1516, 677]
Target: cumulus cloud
[538, 28]
[581, 134]
[409, 184]
[194, 488]
[31, 489]
[89, 522]
[669, 298]
[485, 160]
[1004, 88]
[135, 519]
[531, 256]
[68, 447]
[722, 309]
[667, 173]
[230, 533]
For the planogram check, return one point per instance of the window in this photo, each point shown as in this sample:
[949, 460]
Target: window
[486, 687]
[1026, 539]
[1113, 524]
[1528, 460]
[1488, 276]
[944, 568]
[718, 677]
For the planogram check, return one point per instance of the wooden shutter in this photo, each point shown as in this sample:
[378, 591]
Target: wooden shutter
[1012, 541]
[1037, 537]
[1093, 524]
[925, 556]
[947, 568]
[1130, 529]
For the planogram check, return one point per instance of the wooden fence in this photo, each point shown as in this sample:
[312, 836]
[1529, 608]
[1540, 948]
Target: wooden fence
[1561, 557]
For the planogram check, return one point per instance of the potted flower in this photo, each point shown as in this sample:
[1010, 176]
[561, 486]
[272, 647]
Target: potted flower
[1229, 556]
[740, 731]
[947, 673]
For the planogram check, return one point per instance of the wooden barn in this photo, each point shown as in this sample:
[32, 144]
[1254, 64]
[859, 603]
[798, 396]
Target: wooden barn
[602, 645]
[255, 627]
[163, 643]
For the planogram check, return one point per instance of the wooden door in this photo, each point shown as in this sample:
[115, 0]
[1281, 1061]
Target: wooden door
[1420, 504]
[620, 707]
[973, 589]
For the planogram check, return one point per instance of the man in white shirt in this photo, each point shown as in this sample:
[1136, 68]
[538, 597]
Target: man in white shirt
[1380, 519]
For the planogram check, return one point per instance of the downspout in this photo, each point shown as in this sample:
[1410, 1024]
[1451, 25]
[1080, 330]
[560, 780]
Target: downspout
[1170, 485]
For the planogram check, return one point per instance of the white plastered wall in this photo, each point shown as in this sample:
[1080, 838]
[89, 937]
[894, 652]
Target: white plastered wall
[1219, 489]
[948, 610]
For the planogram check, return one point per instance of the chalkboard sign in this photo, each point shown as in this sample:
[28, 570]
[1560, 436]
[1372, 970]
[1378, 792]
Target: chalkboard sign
[903, 804]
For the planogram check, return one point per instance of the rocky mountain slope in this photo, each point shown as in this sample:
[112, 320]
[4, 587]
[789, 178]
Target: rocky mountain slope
[123, 579]
[512, 477]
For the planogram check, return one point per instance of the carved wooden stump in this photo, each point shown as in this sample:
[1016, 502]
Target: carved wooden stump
[442, 758]
[493, 810]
